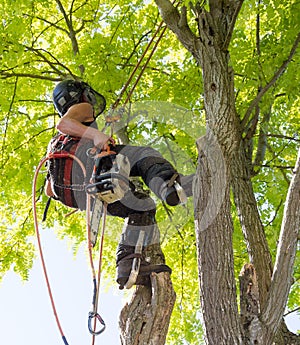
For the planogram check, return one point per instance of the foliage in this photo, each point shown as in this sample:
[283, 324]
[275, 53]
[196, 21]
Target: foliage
[101, 42]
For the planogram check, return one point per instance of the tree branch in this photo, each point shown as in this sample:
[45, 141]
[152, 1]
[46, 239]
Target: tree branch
[39, 53]
[281, 136]
[291, 311]
[72, 32]
[283, 269]
[262, 142]
[237, 7]
[257, 245]
[276, 76]
[5, 75]
[178, 24]
[54, 25]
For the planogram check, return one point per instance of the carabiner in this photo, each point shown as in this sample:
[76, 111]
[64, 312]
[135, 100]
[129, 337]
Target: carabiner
[93, 315]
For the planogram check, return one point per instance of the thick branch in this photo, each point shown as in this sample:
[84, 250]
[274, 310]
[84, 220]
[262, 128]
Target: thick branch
[225, 14]
[276, 76]
[237, 7]
[178, 24]
[283, 269]
[252, 227]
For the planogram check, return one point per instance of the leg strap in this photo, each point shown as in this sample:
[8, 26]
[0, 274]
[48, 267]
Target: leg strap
[135, 268]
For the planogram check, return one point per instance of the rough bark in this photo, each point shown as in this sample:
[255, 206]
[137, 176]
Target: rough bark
[213, 221]
[263, 325]
[249, 304]
[214, 244]
[271, 315]
[145, 320]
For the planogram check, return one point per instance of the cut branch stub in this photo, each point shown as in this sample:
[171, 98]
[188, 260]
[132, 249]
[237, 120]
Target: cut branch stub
[145, 319]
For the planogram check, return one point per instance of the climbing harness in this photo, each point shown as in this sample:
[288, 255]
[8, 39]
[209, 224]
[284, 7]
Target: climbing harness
[62, 171]
[92, 236]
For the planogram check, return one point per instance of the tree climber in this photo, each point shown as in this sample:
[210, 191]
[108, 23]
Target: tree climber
[78, 106]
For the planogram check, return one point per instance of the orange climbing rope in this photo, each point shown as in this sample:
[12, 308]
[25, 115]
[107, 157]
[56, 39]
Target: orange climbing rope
[42, 162]
[93, 315]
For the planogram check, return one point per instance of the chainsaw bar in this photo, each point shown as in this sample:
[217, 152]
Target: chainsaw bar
[95, 220]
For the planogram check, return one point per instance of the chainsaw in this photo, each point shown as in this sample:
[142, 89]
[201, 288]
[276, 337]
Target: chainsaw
[109, 183]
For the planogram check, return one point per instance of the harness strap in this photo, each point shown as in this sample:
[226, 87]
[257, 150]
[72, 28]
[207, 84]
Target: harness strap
[68, 176]
[46, 209]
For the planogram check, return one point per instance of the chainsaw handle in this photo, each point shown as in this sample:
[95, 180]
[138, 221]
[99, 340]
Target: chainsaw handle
[92, 187]
[95, 151]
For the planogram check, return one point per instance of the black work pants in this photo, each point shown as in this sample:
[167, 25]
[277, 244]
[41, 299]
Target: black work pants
[150, 165]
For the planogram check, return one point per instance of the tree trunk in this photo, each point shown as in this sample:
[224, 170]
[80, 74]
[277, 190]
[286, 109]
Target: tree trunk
[222, 163]
[213, 220]
[214, 244]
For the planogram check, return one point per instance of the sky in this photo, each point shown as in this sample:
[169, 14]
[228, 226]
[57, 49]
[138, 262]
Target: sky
[26, 315]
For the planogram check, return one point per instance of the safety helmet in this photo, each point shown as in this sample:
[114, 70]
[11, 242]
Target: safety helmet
[69, 92]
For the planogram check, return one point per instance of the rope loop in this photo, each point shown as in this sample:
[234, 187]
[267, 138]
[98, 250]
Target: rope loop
[96, 317]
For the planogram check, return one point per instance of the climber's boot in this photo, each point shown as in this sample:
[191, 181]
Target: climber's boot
[172, 192]
[132, 266]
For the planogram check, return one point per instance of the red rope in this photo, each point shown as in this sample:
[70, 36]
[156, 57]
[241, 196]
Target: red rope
[147, 61]
[136, 67]
[66, 155]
